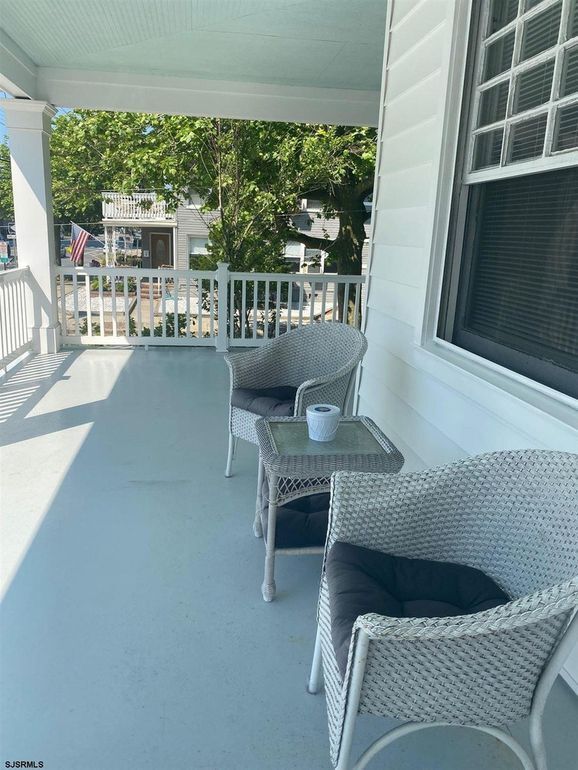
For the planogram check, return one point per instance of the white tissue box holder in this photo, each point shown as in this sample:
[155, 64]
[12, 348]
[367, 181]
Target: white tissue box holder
[323, 421]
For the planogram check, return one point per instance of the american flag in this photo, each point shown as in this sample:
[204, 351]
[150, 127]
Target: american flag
[78, 242]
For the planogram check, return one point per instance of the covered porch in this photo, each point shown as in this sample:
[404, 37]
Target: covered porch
[136, 634]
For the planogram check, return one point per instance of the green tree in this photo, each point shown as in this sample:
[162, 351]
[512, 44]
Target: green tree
[336, 166]
[251, 173]
[6, 203]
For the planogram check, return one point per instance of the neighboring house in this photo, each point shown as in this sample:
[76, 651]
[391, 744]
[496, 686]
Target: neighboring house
[175, 238]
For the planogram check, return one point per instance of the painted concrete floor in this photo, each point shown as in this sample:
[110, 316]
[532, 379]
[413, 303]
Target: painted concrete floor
[134, 633]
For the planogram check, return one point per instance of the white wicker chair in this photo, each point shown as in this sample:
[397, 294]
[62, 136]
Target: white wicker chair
[320, 360]
[512, 514]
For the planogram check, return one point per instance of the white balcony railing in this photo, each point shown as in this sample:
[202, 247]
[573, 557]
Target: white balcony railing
[15, 334]
[139, 206]
[119, 306]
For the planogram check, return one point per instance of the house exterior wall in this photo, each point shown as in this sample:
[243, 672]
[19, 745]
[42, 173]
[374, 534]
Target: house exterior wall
[190, 223]
[438, 403]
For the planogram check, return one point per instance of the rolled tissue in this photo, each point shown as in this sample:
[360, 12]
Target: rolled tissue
[323, 421]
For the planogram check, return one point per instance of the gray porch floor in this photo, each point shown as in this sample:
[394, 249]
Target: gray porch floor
[134, 633]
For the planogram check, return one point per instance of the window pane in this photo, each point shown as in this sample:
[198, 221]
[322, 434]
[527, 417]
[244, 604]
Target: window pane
[493, 104]
[293, 249]
[533, 87]
[527, 139]
[522, 287]
[502, 13]
[566, 136]
[488, 149]
[541, 32]
[570, 73]
[530, 4]
[499, 56]
[197, 246]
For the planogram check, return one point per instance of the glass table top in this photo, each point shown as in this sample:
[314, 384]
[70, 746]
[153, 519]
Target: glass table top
[353, 438]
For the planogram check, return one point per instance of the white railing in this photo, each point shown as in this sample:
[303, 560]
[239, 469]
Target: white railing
[138, 206]
[15, 336]
[264, 305]
[120, 306]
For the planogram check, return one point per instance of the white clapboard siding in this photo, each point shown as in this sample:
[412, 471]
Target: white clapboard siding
[435, 407]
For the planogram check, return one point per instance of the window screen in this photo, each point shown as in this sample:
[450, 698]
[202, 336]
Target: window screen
[519, 291]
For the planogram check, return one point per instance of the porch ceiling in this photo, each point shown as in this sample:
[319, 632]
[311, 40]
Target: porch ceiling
[328, 51]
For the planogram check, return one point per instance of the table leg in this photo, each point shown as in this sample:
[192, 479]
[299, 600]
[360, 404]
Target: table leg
[257, 528]
[268, 588]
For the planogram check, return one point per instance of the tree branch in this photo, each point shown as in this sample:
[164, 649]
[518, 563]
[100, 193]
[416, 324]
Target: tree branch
[310, 241]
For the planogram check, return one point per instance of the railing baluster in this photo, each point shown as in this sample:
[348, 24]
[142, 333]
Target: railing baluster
[138, 290]
[176, 305]
[301, 300]
[346, 302]
[4, 324]
[335, 300]
[88, 305]
[199, 307]
[164, 308]
[63, 319]
[188, 306]
[211, 307]
[243, 307]
[126, 306]
[231, 308]
[75, 303]
[11, 315]
[113, 305]
[277, 308]
[289, 304]
[312, 302]
[151, 305]
[17, 303]
[323, 300]
[101, 304]
[357, 299]
[255, 298]
[266, 316]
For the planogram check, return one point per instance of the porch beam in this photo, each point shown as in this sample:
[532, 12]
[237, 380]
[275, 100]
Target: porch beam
[126, 92]
[17, 70]
[29, 127]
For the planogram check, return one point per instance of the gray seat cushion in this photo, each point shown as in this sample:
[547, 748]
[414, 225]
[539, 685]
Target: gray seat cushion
[301, 523]
[361, 581]
[267, 402]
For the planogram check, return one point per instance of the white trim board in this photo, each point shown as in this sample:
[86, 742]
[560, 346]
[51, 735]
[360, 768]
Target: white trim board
[118, 91]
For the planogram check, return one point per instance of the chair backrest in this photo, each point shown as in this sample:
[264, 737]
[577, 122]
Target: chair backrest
[512, 514]
[318, 350]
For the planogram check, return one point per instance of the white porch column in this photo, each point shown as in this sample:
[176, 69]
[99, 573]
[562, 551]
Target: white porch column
[29, 126]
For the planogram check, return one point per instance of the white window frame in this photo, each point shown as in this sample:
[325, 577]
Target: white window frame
[550, 158]
[197, 238]
[444, 359]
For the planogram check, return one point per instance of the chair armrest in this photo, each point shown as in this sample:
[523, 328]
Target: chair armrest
[305, 390]
[558, 600]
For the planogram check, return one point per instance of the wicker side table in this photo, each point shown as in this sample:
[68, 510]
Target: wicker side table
[296, 466]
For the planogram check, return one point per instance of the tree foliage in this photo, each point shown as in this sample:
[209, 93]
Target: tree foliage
[251, 172]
